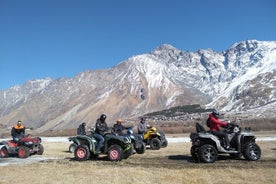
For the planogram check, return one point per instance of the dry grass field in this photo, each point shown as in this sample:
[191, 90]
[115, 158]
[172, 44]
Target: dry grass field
[168, 165]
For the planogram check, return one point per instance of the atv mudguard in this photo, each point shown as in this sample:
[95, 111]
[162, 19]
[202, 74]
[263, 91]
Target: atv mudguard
[2, 146]
[214, 139]
[80, 139]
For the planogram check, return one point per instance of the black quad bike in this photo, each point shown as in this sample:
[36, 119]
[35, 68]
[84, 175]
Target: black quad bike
[156, 139]
[137, 141]
[115, 147]
[206, 146]
[23, 148]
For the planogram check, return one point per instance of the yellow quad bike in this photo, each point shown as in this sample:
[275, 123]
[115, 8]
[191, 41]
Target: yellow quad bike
[156, 139]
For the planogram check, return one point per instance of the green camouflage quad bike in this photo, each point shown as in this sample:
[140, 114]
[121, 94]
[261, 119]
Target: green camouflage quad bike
[115, 147]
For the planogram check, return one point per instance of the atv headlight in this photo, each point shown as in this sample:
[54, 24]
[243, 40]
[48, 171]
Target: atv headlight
[29, 143]
[236, 129]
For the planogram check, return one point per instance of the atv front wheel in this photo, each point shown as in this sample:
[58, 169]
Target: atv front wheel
[208, 153]
[155, 144]
[72, 147]
[40, 150]
[251, 151]
[115, 153]
[82, 153]
[142, 149]
[4, 153]
[23, 152]
[165, 143]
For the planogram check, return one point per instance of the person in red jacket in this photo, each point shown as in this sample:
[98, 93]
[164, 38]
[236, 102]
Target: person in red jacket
[215, 125]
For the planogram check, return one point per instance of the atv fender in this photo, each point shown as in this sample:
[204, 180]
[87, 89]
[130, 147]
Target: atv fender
[2, 146]
[84, 138]
[214, 138]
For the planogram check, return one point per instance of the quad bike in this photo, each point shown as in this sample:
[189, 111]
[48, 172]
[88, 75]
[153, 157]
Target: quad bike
[26, 146]
[115, 147]
[137, 141]
[156, 139]
[206, 146]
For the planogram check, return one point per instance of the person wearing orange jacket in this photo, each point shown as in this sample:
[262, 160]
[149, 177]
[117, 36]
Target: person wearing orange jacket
[18, 131]
[215, 125]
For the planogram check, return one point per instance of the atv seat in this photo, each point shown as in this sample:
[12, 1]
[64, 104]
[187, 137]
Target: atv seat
[200, 128]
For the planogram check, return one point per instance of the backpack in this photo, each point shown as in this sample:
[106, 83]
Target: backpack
[208, 122]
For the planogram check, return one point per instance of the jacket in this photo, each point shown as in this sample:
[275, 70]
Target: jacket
[118, 128]
[142, 127]
[18, 131]
[215, 123]
[101, 127]
[81, 130]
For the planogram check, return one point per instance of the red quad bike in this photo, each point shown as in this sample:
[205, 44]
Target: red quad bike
[23, 148]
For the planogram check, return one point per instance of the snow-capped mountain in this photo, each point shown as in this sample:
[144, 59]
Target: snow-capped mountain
[241, 78]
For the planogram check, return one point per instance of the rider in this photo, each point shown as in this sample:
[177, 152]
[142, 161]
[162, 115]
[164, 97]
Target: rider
[18, 131]
[142, 126]
[215, 125]
[101, 127]
[118, 127]
[81, 129]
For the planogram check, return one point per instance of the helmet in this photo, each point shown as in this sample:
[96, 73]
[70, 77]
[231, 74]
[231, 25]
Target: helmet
[129, 131]
[215, 113]
[19, 122]
[119, 120]
[103, 117]
[83, 124]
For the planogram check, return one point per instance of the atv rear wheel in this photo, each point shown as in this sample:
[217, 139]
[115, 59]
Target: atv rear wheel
[115, 153]
[4, 152]
[208, 153]
[40, 150]
[251, 151]
[82, 153]
[155, 144]
[72, 147]
[23, 152]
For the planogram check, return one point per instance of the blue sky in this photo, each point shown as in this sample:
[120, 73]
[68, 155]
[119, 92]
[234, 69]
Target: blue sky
[61, 38]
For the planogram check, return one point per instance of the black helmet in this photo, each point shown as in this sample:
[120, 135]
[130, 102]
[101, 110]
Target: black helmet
[102, 117]
[215, 113]
[83, 124]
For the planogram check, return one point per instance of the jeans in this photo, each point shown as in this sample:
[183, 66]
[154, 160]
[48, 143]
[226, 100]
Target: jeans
[100, 140]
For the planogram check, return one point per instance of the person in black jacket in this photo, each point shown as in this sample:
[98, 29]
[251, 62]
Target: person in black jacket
[118, 127]
[18, 131]
[101, 128]
[81, 129]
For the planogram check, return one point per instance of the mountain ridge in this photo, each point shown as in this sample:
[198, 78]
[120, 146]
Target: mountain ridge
[161, 79]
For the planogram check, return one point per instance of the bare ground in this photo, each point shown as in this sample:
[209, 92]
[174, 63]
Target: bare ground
[168, 165]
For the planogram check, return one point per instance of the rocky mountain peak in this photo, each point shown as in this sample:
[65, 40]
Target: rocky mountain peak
[241, 78]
